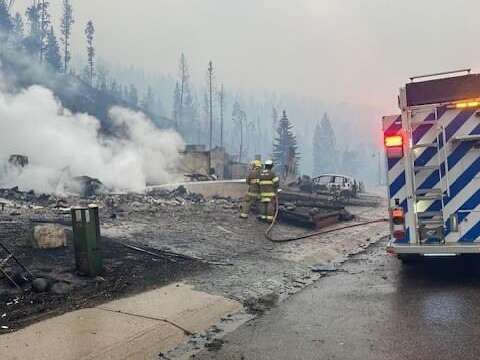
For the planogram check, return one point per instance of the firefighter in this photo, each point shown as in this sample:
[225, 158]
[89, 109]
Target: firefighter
[269, 184]
[253, 194]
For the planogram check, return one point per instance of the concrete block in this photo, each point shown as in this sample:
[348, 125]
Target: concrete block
[49, 236]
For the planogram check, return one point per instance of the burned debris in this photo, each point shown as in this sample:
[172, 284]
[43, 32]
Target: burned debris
[49, 266]
[147, 239]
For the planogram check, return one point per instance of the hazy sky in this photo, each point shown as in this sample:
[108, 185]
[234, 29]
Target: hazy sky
[343, 50]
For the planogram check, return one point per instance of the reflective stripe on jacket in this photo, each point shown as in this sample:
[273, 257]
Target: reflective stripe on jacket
[253, 181]
[269, 183]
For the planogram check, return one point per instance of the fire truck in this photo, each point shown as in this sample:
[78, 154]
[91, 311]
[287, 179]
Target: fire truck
[433, 166]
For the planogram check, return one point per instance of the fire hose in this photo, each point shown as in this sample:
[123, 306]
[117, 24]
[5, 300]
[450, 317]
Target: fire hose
[315, 233]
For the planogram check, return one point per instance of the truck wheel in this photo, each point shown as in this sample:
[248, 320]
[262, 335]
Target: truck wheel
[409, 259]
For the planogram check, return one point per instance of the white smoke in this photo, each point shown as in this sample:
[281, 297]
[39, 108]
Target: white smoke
[33, 123]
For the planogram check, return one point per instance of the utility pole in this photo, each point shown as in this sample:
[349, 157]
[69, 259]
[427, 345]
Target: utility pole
[222, 98]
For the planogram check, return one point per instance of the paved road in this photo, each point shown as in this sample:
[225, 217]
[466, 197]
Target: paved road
[374, 309]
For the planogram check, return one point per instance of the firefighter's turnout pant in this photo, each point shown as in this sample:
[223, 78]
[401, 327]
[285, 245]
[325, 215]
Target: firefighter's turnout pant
[267, 208]
[248, 201]
[269, 183]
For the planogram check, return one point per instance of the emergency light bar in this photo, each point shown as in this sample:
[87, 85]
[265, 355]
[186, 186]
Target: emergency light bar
[465, 104]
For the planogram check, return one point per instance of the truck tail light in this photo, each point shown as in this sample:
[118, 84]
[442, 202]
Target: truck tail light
[394, 146]
[397, 216]
[393, 141]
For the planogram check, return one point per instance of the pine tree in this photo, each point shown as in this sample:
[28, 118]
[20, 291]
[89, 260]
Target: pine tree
[285, 149]
[6, 24]
[316, 147]
[221, 103]
[148, 102]
[274, 119]
[18, 30]
[210, 79]
[325, 153]
[240, 120]
[33, 42]
[52, 52]
[102, 78]
[133, 95]
[44, 26]
[184, 87]
[90, 35]
[176, 105]
[115, 89]
[67, 22]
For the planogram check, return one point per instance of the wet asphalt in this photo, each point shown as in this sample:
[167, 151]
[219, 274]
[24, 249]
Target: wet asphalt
[373, 308]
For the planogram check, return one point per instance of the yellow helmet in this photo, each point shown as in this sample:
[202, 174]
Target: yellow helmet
[257, 164]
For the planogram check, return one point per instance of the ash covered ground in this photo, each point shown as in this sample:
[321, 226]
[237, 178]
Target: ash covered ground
[229, 256]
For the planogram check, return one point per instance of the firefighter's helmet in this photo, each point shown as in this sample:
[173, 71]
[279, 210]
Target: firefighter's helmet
[269, 164]
[257, 164]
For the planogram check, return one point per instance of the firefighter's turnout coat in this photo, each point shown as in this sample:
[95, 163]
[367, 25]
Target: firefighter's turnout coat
[268, 183]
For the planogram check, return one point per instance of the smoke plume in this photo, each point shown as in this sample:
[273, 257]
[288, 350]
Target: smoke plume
[58, 142]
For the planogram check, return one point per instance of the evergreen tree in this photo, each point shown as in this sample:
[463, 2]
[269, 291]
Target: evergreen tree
[176, 105]
[52, 52]
[325, 153]
[148, 102]
[85, 75]
[102, 75]
[190, 112]
[240, 120]
[184, 87]
[210, 86]
[90, 35]
[221, 103]
[66, 24]
[133, 95]
[33, 42]
[44, 26]
[18, 30]
[285, 149]
[6, 24]
[115, 89]
[316, 156]
[274, 119]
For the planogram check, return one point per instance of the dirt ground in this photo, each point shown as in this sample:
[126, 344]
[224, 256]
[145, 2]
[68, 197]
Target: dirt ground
[239, 262]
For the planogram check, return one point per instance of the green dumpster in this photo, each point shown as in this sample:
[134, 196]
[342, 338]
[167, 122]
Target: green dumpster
[87, 240]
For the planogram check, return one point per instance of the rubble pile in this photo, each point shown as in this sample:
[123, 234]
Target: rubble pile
[14, 194]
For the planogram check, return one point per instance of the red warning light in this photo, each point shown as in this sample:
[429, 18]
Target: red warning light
[393, 141]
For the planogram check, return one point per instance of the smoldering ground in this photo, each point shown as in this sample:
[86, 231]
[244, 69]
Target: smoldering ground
[35, 124]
